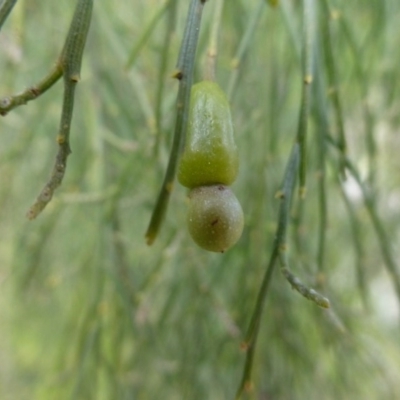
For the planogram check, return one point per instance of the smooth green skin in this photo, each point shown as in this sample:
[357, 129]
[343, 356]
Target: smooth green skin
[215, 217]
[210, 155]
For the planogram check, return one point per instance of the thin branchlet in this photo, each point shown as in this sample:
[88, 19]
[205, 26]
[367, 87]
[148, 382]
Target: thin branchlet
[8, 103]
[70, 61]
[279, 243]
[295, 282]
[5, 9]
[184, 73]
[308, 47]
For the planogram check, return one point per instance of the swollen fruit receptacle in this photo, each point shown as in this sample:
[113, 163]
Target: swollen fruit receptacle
[210, 155]
[215, 217]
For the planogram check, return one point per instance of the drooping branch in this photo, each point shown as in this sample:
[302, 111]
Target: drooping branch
[184, 73]
[70, 62]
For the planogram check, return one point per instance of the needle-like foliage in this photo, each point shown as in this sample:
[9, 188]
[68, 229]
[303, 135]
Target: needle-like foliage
[304, 306]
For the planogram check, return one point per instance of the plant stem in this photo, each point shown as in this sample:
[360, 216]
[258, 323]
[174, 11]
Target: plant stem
[70, 61]
[321, 114]
[307, 55]
[358, 247]
[244, 44]
[308, 46]
[296, 284]
[10, 102]
[212, 52]
[278, 253]
[5, 9]
[184, 73]
[279, 244]
[171, 21]
[334, 83]
[362, 77]
[146, 35]
[370, 204]
[384, 242]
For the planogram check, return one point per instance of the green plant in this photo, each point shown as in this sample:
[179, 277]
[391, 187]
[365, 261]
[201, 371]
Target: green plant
[313, 89]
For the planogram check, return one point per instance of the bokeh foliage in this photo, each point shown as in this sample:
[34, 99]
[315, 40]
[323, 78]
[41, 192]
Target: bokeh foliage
[89, 311]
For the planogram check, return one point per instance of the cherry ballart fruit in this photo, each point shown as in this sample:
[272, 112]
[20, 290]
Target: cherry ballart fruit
[208, 164]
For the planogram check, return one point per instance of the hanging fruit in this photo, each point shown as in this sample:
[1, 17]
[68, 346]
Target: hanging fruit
[210, 163]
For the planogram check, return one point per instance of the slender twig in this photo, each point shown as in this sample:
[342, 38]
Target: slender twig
[245, 43]
[308, 46]
[9, 102]
[293, 280]
[321, 114]
[212, 52]
[164, 57]
[307, 55]
[146, 35]
[289, 19]
[370, 204]
[383, 240]
[184, 73]
[70, 60]
[358, 246]
[279, 242]
[5, 9]
[323, 212]
[296, 283]
[295, 167]
[363, 81]
[327, 19]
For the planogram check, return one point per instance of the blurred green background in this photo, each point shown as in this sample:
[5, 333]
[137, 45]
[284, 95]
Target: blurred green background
[89, 311]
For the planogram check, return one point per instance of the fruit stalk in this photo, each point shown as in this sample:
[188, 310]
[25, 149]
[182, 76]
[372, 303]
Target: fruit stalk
[184, 74]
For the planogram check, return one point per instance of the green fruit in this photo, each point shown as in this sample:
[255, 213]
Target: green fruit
[215, 217]
[210, 155]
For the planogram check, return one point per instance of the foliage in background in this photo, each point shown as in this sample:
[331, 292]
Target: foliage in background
[89, 311]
